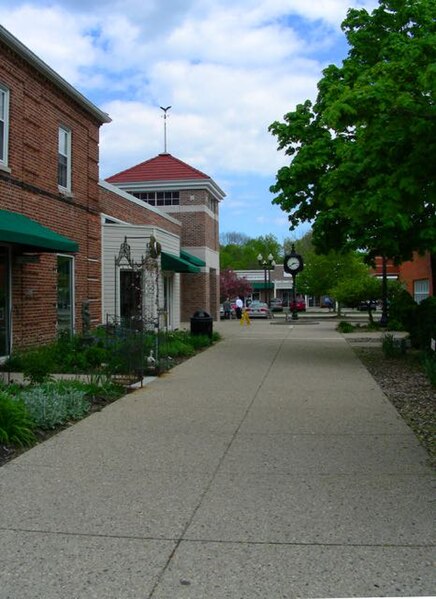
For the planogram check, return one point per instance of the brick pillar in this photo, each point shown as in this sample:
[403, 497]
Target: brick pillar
[194, 293]
[214, 294]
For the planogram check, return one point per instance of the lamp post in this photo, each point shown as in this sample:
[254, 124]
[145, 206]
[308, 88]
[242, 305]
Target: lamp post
[384, 316]
[293, 264]
[268, 265]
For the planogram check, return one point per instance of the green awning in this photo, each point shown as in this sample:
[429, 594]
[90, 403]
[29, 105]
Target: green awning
[192, 259]
[177, 264]
[261, 285]
[19, 229]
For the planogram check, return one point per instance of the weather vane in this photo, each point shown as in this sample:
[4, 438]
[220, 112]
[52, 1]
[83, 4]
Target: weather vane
[165, 126]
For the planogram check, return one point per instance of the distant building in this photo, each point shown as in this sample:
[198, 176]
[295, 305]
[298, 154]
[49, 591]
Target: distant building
[192, 197]
[274, 283]
[416, 274]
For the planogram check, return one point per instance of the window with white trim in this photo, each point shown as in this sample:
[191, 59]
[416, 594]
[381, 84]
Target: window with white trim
[4, 125]
[421, 290]
[64, 158]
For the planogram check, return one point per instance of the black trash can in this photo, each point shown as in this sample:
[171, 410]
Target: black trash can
[202, 323]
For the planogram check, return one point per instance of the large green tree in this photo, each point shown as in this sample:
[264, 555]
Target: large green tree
[364, 155]
[242, 252]
[324, 271]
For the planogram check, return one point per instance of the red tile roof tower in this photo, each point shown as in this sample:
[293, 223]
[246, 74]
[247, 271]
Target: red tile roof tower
[192, 197]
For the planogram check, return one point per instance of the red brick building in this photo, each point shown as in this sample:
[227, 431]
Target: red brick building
[50, 238]
[60, 227]
[416, 274]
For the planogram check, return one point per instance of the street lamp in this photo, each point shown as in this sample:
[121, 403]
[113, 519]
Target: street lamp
[268, 265]
[293, 264]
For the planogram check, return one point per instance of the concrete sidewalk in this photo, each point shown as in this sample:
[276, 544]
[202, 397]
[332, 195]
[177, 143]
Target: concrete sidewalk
[269, 466]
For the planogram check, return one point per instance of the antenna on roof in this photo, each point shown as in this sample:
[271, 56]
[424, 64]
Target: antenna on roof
[165, 126]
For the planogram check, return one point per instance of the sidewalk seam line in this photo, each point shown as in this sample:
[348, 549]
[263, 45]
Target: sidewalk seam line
[214, 474]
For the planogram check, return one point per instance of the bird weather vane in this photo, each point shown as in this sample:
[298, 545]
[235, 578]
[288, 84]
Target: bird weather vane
[165, 110]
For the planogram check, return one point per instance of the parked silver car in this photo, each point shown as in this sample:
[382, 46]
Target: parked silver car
[258, 310]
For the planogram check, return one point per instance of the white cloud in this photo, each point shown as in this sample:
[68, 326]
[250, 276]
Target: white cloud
[228, 70]
[55, 36]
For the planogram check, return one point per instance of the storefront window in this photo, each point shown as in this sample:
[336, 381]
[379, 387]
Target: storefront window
[65, 294]
[4, 303]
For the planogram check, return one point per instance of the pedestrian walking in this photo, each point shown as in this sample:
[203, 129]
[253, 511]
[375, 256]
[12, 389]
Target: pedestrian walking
[245, 318]
[239, 306]
[227, 307]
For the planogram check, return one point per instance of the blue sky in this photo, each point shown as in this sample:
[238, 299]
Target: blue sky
[228, 68]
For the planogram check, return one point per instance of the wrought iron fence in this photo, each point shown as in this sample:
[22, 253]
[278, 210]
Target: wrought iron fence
[137, 346]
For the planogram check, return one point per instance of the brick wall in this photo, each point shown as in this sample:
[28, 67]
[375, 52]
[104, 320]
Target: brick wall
[214, 294]
[194, 294]
[200, 292]
[199, 228]
[415, 270]
[119, 207]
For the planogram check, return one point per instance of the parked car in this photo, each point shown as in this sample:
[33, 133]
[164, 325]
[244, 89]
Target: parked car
[258, 310]
[276, 305]
[299, 306]
[366, 305]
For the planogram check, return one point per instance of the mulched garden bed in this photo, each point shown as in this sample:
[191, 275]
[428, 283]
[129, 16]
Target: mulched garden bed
[405, 384]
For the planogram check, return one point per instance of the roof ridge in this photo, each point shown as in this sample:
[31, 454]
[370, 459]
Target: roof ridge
[141, 165]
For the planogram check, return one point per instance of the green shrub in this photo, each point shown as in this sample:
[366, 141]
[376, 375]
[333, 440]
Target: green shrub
[200, 341]
[373, 326]
[117, 353]
[15, 422]
[424, 325]
[402, 310]
[345, 327]
[38, 366]
[393, 347]
[395, 325]
[52, 404]
[429, 364]
[177, 348]
[10, 388]
[98, 386]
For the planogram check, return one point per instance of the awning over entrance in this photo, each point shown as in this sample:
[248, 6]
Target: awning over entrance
[19, 229]
[256, 285]
[192, 259]
[177, 264]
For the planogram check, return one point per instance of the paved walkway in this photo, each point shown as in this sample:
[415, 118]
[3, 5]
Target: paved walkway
[269, 466]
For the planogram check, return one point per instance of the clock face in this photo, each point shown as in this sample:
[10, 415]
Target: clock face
[293, 263]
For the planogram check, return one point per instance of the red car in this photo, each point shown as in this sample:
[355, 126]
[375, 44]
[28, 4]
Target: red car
[298, 306]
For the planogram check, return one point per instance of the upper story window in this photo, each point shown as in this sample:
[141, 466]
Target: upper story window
[64, 158]
[421, 290]
[4, 125]
[212, 204]
[159, 198]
